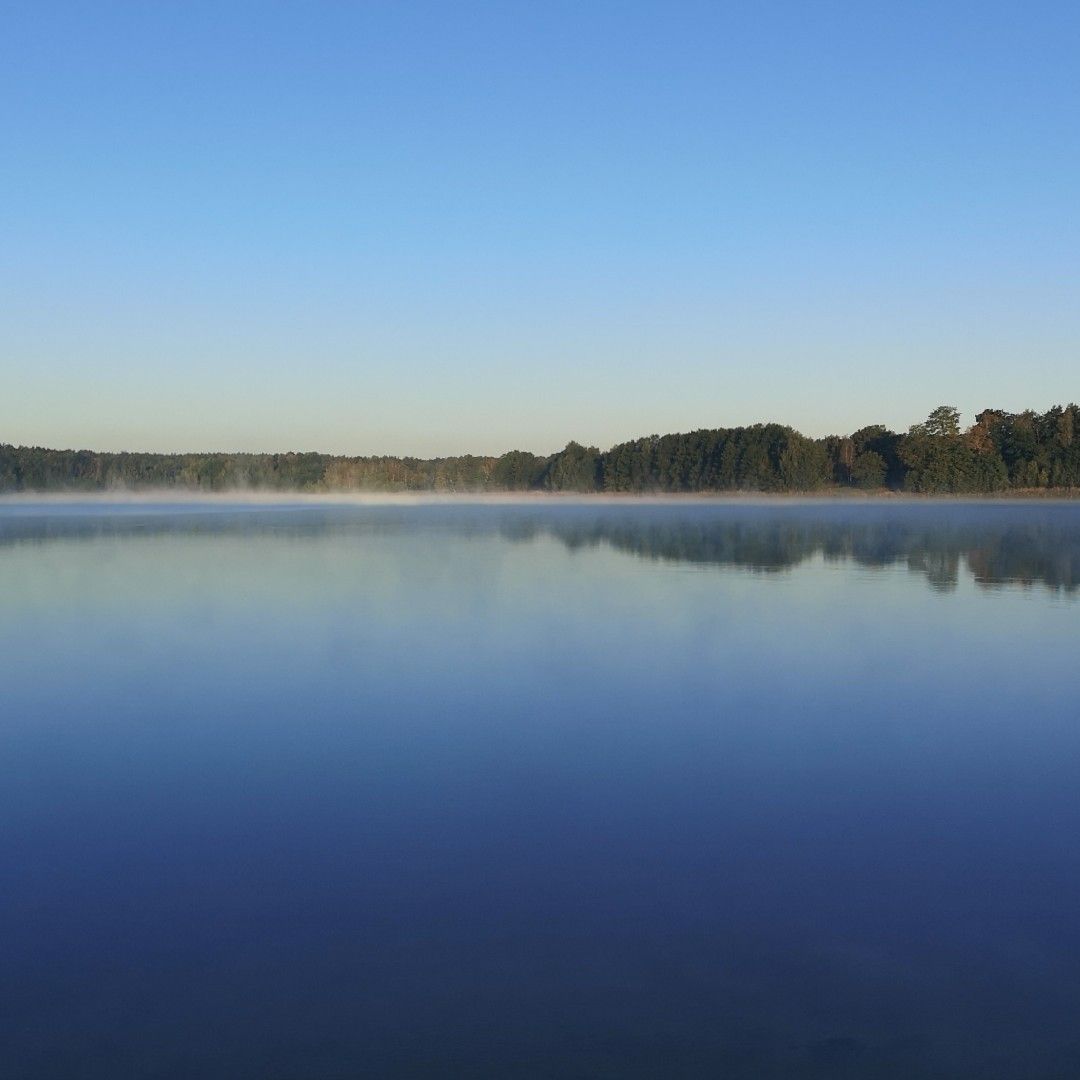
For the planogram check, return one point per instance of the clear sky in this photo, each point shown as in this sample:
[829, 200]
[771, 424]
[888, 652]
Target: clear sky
[432, 228]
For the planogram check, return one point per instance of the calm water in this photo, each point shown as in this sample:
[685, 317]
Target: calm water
[537, 791]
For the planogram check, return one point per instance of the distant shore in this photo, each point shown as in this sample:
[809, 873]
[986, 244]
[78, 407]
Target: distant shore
[173, 497]
[1014, 455]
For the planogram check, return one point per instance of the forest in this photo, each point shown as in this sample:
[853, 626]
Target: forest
[1000, 452]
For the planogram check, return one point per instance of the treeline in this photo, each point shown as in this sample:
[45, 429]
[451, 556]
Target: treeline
[36, 469]
[999, 452]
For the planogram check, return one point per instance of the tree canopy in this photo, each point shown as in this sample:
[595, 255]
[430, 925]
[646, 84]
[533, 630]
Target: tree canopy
[1000, 451]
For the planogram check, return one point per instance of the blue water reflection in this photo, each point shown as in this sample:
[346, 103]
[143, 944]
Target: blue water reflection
[740, 790]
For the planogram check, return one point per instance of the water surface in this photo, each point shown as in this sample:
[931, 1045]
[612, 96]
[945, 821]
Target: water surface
[623, 790]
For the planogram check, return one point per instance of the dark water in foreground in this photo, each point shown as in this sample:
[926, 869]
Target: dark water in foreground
[542, 791]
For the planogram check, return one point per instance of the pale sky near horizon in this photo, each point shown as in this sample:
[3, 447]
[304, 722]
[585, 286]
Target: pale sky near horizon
[439, 228]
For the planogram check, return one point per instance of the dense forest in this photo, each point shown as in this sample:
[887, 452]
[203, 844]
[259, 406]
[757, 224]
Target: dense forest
[1001, 451]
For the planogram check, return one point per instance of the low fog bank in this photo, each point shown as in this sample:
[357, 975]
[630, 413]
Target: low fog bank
[264, 497]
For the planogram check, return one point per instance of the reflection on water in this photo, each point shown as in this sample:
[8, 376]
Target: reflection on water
[504, 791]
[996, 543]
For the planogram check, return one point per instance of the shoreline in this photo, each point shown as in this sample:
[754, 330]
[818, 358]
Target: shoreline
[167, 497]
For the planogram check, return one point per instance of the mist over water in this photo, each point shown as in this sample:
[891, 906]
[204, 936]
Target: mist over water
[740, 790]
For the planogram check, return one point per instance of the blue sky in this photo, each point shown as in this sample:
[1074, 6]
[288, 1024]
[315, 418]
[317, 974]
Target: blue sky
[433, 228]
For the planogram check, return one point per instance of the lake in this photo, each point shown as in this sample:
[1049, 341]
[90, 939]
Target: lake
[730, 789]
